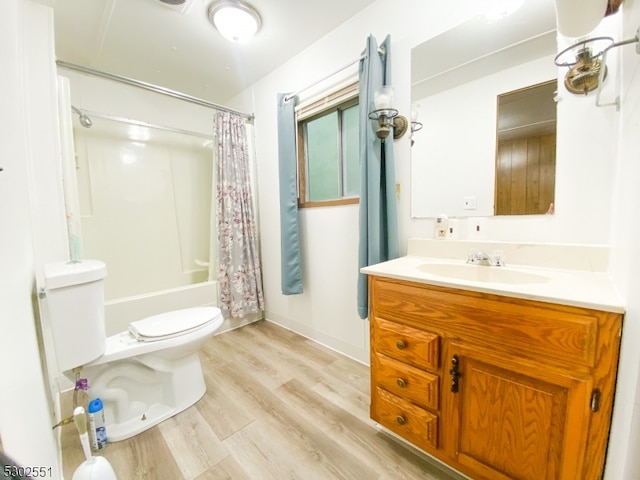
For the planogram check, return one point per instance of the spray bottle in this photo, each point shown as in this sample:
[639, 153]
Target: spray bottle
[97, 424]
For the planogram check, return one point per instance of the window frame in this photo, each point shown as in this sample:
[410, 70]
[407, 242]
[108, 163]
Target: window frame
[338, 100]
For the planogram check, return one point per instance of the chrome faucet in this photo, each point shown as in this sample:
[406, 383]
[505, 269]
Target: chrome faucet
[477, 257]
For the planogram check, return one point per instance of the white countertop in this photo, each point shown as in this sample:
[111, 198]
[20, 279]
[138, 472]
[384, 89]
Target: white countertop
[581, 288]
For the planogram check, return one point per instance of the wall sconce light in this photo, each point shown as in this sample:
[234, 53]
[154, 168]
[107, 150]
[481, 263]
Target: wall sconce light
[387, 117]
[415, 124]
[588, 71]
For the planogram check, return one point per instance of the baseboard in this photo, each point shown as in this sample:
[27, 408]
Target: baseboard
[360, 355]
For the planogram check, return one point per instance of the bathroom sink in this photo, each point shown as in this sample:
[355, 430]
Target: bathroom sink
[481, 273]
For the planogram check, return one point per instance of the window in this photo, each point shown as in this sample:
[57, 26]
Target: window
[328, 150]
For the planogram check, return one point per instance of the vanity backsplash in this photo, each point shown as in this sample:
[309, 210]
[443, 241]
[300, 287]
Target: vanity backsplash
[592, 258]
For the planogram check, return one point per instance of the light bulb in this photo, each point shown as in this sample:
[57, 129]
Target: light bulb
[383, 98]
[415, 111]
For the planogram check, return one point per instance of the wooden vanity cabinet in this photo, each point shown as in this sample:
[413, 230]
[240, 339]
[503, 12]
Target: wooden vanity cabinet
[497, 387]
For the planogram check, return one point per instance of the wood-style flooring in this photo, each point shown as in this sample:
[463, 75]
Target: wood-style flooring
[278, 406]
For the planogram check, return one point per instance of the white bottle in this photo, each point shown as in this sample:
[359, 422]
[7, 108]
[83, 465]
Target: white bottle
[97, 424]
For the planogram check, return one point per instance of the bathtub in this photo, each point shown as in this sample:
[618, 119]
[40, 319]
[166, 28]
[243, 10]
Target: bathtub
[122, 311]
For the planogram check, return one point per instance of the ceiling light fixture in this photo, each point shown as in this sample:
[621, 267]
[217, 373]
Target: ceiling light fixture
[236, 20]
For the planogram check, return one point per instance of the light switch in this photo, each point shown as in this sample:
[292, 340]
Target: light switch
[469, 203]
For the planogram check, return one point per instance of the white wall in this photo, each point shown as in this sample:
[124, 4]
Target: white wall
[28, 152]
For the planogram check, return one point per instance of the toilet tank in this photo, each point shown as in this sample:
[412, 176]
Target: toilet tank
[75, 303]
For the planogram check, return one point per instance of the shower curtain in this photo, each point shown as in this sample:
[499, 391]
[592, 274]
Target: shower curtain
[239, 270]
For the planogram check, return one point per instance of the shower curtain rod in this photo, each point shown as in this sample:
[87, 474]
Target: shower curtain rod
[344, 67]
[138, 123]
[153, 88]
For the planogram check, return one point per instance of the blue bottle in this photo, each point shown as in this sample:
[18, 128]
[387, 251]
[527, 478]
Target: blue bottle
[97, 424]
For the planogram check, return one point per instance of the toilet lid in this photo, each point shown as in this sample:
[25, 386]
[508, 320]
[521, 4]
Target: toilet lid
[171, 324]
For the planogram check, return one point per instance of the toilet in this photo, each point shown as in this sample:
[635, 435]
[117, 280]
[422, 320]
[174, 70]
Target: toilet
[143, 375]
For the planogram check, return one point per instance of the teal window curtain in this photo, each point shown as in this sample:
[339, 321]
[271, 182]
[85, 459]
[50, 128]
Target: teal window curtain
[291, 264]
[378, 236]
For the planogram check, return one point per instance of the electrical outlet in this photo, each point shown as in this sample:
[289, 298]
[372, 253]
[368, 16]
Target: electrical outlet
[478, 228]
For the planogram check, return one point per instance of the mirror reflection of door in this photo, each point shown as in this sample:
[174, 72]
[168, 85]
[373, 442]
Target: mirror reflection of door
[526, 151]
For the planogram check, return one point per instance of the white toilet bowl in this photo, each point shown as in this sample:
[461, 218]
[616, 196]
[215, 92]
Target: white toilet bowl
[143, 381]
[144, 375]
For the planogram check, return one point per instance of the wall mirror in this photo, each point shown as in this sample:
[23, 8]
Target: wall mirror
[457, 78]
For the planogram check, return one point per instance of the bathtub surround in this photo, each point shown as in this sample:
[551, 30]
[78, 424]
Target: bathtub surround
[378, 235]
[152, 228]
[239, 270]
[119, 313]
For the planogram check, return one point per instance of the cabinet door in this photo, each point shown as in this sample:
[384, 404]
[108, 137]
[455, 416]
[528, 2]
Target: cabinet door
[510, 419]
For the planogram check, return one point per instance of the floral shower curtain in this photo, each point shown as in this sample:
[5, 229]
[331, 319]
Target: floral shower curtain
[239, 270]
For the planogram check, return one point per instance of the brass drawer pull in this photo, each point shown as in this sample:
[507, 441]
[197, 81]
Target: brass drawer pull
[595, 400]
[401, 383]
[401, 345]
[401, 420]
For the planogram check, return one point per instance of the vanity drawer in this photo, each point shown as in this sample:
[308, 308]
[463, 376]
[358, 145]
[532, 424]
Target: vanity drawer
[407, 344]
[410, 383]
[413, 423]
[514, 325]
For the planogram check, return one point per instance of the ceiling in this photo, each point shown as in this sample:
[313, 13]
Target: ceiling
[152, 42]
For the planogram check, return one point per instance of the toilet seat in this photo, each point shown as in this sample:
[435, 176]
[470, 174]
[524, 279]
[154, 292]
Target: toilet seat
[124, 345]
[170, 324]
